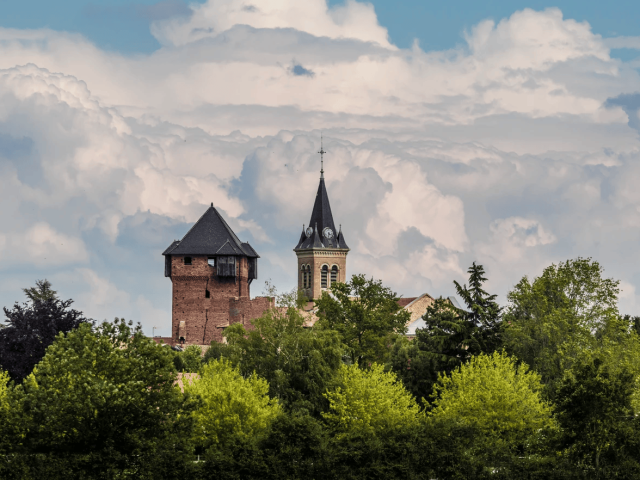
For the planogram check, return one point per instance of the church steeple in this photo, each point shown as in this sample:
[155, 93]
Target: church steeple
[321, 250]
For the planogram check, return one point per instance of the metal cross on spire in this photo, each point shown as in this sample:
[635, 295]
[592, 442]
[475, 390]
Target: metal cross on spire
[321, 152]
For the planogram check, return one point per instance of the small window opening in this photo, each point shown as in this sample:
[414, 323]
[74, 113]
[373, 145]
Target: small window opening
[211, 261]
[323, 276]
[187, 260]
[207, 294]
[334, 274]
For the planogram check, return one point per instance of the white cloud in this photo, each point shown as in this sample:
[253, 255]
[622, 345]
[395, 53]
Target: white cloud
[43, 246]
[350, 20]
[505, 151]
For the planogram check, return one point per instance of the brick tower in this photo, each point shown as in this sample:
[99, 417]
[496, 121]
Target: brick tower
[322, 251]
[211, 271]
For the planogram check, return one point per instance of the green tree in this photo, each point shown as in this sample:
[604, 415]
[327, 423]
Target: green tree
[451, 337]
[231, 405]
[299, 363]
[369, 402]
[367, 316]
[601, 433]
[496, 397]
[567, 311]
[105, 401]
[189, 360]
[41, 292]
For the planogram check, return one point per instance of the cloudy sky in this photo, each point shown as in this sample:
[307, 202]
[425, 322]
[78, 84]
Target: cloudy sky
[504, 133]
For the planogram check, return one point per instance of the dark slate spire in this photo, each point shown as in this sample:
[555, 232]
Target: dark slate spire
[340, 239]
[303, 237]
[321, 219]
[211, 235]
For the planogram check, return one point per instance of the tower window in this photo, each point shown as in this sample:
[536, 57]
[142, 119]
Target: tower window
[323, 276]
[211, 261]
[334, 274]
[187, 260]
[207, 294]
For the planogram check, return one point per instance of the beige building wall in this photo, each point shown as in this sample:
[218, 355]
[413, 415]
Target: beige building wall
[315, 259]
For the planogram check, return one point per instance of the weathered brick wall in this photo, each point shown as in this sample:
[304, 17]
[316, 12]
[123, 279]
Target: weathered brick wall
[206, 318]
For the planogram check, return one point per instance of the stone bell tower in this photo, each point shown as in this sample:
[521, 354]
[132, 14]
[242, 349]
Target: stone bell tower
[322, 250]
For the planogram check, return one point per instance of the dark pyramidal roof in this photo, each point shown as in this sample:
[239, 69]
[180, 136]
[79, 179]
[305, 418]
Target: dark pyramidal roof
[210, 235]
[321, 218]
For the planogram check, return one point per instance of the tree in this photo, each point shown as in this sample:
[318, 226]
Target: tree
[451, 336]
[369, 402]
[30, 329]
[105, 399]
[601, 434]
[496, 397]
[299, 363]
[367, 316]
[41, 292]
[569, 310]
[232, 406]
[189, 360]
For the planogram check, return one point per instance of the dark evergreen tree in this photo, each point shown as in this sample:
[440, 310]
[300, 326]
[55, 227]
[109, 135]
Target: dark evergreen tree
[31, 327]
[451, 336]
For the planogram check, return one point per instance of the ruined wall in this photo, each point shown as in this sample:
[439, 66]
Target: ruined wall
[205, 318]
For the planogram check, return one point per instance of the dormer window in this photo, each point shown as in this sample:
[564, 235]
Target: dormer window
[187, 260]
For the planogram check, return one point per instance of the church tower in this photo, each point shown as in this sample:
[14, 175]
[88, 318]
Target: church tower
[322, 251]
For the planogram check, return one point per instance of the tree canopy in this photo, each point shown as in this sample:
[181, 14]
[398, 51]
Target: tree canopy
[451, 336]
[370, 402]
[107, 393]
[41, 292]
[554, 319]
[299, 363]
[367, 316]
[495, 396]
[232, 406]
[30, 329]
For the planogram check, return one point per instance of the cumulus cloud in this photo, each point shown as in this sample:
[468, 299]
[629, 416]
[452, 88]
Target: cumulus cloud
[516, 149]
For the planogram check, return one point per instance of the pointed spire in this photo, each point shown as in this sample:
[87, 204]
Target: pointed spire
[321, 152]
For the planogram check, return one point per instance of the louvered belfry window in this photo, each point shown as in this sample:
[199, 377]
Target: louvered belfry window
[226, 266]
[334, 274]
[323, 277]
[253, 268]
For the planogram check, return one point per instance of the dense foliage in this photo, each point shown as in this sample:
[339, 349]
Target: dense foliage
[31, 327]
[546, 388]
[451, 337]
[232, 406]
[367, 316]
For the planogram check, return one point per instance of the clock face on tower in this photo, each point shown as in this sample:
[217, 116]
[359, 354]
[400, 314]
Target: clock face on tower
[309, 231]
[327, 232]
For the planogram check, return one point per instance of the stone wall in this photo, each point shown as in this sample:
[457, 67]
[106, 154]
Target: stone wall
[206, 317]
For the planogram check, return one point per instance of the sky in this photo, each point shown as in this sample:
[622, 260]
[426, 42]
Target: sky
[504, 133]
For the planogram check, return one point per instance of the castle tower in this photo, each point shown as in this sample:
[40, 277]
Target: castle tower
[211, 271]
[322, 251]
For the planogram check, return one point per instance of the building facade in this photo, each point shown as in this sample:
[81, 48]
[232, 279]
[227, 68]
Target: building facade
[321, 250]
[211, 272]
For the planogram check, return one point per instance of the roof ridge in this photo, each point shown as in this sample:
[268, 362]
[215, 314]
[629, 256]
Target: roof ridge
[226, 225]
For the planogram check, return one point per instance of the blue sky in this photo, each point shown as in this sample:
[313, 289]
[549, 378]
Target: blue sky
[123, 25]
[509, 136]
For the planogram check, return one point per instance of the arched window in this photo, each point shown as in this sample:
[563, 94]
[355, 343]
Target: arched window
[323, 277]
[334, 274]
[308, 276]
[303, 276]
